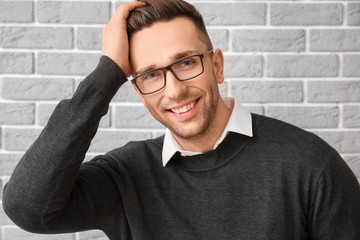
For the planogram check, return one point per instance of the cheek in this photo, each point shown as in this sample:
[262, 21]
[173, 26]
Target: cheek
[208, 80]
[151, 102]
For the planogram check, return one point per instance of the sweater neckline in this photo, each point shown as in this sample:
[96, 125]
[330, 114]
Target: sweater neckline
[227, 149]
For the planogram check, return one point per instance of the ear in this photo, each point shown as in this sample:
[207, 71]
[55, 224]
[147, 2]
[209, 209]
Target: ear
[138, 92]
[218, 65]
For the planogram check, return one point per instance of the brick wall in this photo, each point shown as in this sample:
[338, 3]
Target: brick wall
[298, 61]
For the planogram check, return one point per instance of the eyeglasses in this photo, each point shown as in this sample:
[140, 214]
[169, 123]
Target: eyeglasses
[184, 69]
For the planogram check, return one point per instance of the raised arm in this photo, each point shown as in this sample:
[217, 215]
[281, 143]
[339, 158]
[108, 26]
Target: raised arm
[49, 191]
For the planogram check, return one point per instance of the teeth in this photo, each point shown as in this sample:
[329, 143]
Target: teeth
[184, 109]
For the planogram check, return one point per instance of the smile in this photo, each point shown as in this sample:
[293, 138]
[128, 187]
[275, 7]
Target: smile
[184, 108]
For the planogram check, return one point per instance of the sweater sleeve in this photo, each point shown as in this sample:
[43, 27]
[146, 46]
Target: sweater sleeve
[335, 206]
[49, 191]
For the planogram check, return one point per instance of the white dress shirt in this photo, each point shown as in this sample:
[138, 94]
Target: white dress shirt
[239, 122]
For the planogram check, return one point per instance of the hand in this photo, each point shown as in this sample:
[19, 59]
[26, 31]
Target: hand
[115, 38]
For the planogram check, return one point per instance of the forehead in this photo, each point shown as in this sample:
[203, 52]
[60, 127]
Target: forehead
[157, 44]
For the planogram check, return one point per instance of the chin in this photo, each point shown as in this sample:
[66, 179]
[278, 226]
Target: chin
[189, 132]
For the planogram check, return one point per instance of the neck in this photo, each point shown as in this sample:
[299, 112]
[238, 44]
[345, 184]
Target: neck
[206, 141]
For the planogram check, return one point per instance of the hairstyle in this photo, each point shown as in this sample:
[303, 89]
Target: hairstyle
[165, 10]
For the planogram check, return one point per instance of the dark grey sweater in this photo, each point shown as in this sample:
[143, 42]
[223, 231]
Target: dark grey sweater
[284, 183]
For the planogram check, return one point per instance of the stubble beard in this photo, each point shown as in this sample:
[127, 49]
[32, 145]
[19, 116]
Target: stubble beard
[204, 125]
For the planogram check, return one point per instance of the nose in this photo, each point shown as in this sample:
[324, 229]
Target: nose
[174, 88]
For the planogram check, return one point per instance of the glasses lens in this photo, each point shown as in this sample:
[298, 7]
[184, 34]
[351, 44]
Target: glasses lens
[151, 81]
[188, 68]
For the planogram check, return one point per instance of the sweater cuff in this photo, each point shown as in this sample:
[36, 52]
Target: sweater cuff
[107, 77]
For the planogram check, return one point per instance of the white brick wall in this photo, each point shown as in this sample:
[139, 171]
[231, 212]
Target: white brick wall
[294, 60]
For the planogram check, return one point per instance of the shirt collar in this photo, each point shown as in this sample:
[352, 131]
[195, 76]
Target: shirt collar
[239, 122]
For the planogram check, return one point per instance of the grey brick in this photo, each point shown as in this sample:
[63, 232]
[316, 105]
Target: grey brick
[232, 13]
[19, 234]
[67, 63]
[89, 38]
[306, 116]
[106, 140]
[16, 62]
[351, 116]
[343, 142]
[19, 139]
[243, 66]
[127, 93]
[333, 91]
[36, 37]
[302, 66]
[17, 113]
[73, 12]
[1, 191]
[335, 40]
[267, 91]
[134, 117]
[258, 109]
[37, 88]
[8, 162]
[351, 65]
[92, 235]
[219, 38]
[268, 40]
[16, 11]
[354, 163]
[306, 14]
[353, 14]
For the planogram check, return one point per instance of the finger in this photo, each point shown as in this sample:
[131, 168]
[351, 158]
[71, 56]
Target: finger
[132, 5]
[124, 10]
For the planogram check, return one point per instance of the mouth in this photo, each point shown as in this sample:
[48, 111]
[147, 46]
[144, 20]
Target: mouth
[184, 109]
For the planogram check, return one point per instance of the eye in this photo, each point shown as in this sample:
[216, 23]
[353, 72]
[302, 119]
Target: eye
[187, 62]
[151, 75]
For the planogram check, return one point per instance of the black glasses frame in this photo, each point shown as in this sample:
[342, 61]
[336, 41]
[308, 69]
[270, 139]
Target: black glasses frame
[169, 67]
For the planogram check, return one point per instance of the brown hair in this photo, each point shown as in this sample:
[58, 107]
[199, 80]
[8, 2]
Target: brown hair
[165, 10]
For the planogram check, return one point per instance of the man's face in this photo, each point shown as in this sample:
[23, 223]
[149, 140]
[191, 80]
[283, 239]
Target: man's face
[162, 44]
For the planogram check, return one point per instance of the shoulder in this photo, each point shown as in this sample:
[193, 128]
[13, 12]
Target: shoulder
[285, 132]
[287, 139]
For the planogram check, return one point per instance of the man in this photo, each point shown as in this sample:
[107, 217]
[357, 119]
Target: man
[218, 173]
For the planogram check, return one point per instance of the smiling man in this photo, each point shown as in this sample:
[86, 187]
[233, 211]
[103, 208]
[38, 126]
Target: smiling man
[183, 96]
[219, 172]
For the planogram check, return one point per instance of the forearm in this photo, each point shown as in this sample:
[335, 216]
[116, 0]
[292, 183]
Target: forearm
[44, 178]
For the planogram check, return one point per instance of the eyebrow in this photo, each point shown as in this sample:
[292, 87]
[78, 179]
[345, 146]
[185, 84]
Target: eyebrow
[174, 58]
